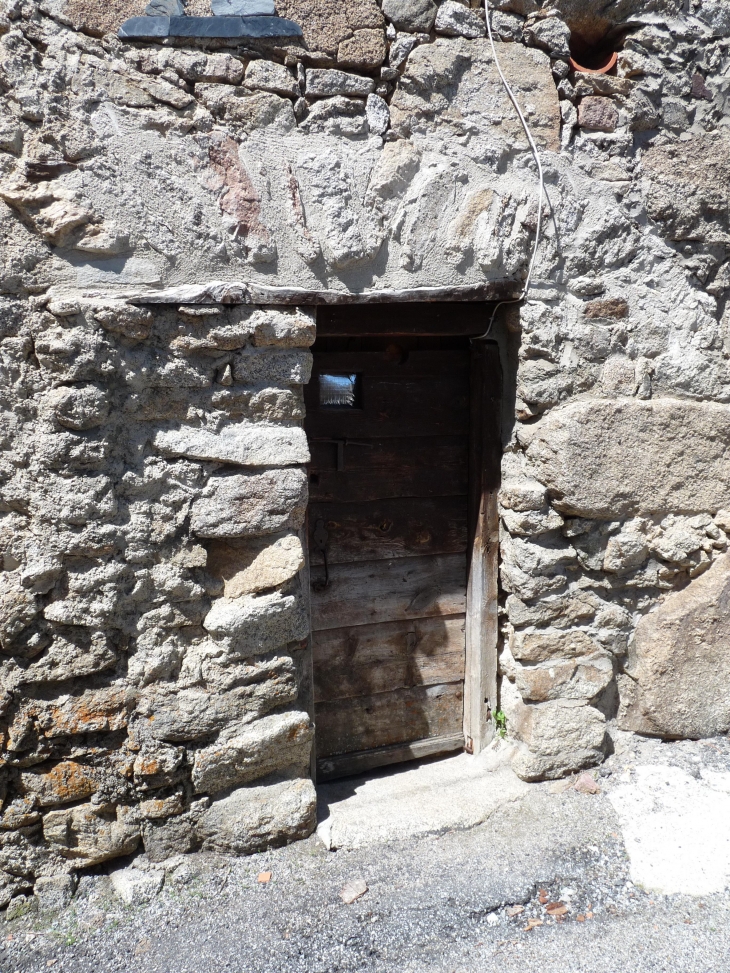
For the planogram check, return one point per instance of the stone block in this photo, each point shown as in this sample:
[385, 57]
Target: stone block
[456, 20]
[66, 782]
[378, 115]
[338, 116]
[531, 523]
[255, 818]
[18, 608]
[274, 743]
[548, 645]
[259, 367]
[89, 835]
[243, 444]
[583, 678]
[598, 114]
[251, 504]
[54, 892]
[158, 767]
[414, 16]
[364, 51]
[325, 83]
[626, 550]
[191, 714]
[400, 49]
[173, 836]
[247, 567]
[269, 76]
[555, 738]
[78, 407]
[248, 112]
[551, 34]
[281, 328]
[257, 623]
[137, 887]
[523, 494]
[610, 307]
[559, 611]
[679, 449]
[123, 319]
[160, 808]
[679, 662]
[326, 23]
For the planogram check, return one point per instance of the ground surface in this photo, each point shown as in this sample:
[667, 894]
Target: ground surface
[445, 902]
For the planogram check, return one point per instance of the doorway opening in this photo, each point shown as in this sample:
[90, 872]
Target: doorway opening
[403, 421]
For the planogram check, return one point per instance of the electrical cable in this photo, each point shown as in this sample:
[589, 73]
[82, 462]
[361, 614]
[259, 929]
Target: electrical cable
[538, 162]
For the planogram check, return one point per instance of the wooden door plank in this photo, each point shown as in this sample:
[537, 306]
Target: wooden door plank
[347, 764]
[482, 628]
[428, 466]
[393, 407]
[369, 659]
[385, 529]
[395, 454]
[361, 485]
[421, 365]
[367, 592]
[386, 719]
[419, 318]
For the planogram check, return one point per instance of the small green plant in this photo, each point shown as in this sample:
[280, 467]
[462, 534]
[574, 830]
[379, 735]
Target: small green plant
[500, 722]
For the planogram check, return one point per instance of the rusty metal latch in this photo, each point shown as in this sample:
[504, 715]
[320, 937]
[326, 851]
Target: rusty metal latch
[341, 443]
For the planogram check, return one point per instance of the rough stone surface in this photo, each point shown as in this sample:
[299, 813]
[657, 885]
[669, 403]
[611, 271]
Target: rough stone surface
[558, 737]
[575, 447]
[159, 201]
[411, 15]
[455, 20]
[253, 818]
[256, 565]
[270, 76]
[136, 887]
[271, 743]
[364, 51]
[598, 114]
[678, 674]
[327, 23]
[54, 892]
[248, 505]
[324, 83]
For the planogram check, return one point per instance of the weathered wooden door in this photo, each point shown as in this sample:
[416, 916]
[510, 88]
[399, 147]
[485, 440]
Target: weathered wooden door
[388, 424]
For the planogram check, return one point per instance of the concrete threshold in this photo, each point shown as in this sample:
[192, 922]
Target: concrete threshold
[424, 797]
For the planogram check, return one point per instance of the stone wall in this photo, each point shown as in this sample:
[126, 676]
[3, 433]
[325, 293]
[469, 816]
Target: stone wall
[161, 203]
[153, 618]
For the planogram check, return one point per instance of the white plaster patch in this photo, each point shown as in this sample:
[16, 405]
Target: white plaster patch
[676, 830]
[117, 270]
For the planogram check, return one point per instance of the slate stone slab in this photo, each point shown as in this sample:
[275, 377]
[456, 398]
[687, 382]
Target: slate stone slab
[233, 27]
[243, 8]
[153, 28]
[145, 28]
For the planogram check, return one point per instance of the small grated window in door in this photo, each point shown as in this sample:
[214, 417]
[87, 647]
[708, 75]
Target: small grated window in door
[339, 391]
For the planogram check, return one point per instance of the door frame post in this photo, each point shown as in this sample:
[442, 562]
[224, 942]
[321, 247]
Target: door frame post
[482, 594]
